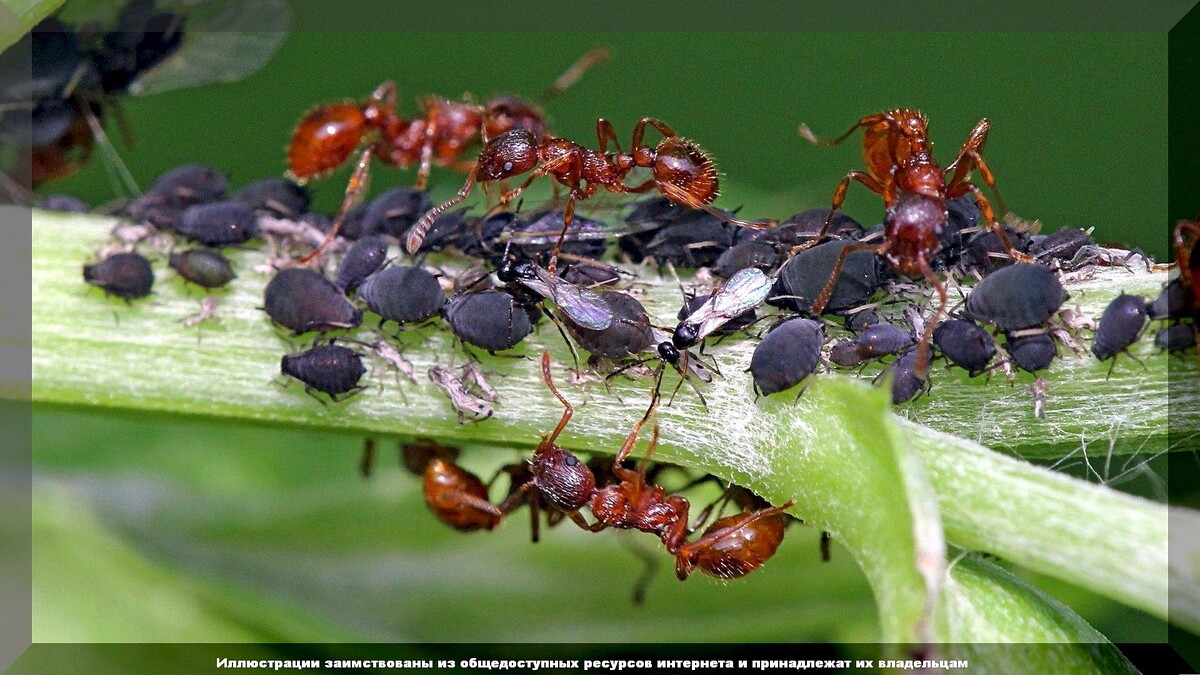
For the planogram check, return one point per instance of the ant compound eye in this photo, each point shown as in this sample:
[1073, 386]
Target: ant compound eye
[508, 166]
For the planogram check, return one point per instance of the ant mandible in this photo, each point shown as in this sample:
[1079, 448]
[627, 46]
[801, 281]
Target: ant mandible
[682, 172]
[329, 135]
[901, 168]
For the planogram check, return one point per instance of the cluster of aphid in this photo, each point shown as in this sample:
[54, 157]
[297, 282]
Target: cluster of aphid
[816, 264]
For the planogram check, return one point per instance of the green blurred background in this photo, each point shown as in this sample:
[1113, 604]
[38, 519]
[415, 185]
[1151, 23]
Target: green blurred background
[165, 529]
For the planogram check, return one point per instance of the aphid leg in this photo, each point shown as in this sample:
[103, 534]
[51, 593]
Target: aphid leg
[356, 190]
[823, 299]
[921, 368]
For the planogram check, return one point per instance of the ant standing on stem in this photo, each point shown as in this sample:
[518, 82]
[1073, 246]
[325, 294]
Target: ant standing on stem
[901, 168]
[329, 135]
[682, 172]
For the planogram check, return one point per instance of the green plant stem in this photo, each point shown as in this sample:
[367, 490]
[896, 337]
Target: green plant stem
[88, 350]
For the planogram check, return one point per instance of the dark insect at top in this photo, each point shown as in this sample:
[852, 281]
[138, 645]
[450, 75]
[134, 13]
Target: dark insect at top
[1061, 245]
[394, 212]
[362, 259]
[1170, 303]
[966, 344]
[304, 300]
[490, 319]
[203, 267]
[218, 224]
[332, 369]
[905, 383]
[403, 294]
[1023, 295]
[805, 226]
[275, 196]
[64, 203]
[751, 253]
[805, 276]
[789, 353]
[583, 306]
[1178, 338]
[1120, 325]
[125, 275]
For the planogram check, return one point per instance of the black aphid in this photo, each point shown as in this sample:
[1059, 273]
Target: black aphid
[789, 353]
[1170, 303]
[275, 196]
[685, 237]
[362, 259]
[1120, 326]
[751, 253]
[203, 267]
[1020, 296]
[218, 224]
[845, 353]
[125, 275]
[628, 334]
[402, 294]
[479, 236]
[1178, 338]
[985, 252]
[803, 278]
[489, 319]
[395, 211]
[966, 344]
[537, 239]
[175, 191]
[905, 383]
[804, 226]
[447, 230]
[304, 300]
[962, 213]
[64, 203]
[1061, 245]
[1031, 352]
[857, 321]
[331, 369]
[882, 339]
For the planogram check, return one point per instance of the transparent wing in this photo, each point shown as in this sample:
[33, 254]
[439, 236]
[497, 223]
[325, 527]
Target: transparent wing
[582, 306]
[745, 290]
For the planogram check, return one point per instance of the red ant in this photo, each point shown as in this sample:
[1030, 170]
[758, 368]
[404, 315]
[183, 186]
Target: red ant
[1187, 233]
[730, 548]
[901, 168]
[327, 136]
[682, 172]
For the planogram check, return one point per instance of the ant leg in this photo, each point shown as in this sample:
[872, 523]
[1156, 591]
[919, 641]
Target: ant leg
[823, 299]
[606, 133]
[1183, 251]
[356, 189]
[639, 130]
[922, 366]
[839, 196]
[417, 234]
[367, 464]
[567, 409]
[568, 218]
[866, 122]
[537, 173]
[571, 75]
[431, 115]
[986, 211]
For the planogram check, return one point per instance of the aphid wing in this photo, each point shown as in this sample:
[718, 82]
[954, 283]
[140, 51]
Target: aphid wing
[745, 290]
[224, 41]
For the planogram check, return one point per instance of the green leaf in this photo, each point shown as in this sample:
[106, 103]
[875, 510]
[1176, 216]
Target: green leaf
[18, 17]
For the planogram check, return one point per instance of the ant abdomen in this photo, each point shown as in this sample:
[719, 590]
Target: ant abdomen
[505, 113]
[684, 173]
[732, 548]
[457, 497]
[914, 226]
[324, 140]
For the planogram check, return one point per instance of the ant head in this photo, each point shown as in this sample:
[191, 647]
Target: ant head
[684, 336]
[684, 173]
[913, 124]
[505, 113]
[564, 480]
[510, 154]
[668, 352]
